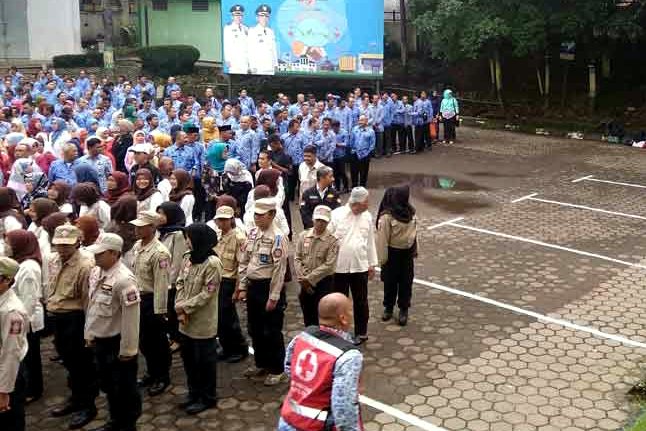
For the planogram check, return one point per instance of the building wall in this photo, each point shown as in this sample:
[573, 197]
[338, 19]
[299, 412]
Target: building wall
[54, 28]
[92, 25]
[15, 43]
[181, 25]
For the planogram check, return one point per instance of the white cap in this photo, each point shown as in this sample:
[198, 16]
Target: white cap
[105, 242]
[140, 148]
[358, 194]
[264, 205]
[322, 212]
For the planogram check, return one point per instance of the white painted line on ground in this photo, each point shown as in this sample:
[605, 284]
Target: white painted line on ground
[617, 183]
[584, 207]
[538, 316]
[392, 411]
[444, 223]
[582, 179]
[523, 198]
[405, 417]
[548, 245]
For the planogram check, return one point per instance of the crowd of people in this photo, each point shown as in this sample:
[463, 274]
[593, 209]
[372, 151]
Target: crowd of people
[127, 229]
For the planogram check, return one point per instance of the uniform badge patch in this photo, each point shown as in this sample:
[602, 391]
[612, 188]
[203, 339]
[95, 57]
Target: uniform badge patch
[211, 287]
[278, 253]
[132, 296]
[16, 327]
[163, 263]
[264, 258]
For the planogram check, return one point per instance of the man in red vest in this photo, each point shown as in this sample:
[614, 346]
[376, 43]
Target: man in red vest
[324, 367]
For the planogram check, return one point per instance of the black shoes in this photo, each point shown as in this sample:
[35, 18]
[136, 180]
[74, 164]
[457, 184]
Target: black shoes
[199, 407]
[158, 387]
[64, 409]
[403, 317]
[145, 381]
[234, 359]
[388, 314]
[82, 418]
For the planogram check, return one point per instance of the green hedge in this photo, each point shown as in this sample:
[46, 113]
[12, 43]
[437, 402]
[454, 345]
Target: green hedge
[165, 60]
[89, 59]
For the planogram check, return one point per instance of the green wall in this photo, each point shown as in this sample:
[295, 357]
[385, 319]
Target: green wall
[180, 25]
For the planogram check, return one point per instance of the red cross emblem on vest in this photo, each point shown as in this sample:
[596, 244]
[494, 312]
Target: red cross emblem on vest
[306, 365]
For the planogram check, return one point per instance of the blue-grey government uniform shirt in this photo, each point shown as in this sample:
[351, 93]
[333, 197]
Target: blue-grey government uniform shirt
[325, 145]
[294, 145]
[246, 147]
[362, 141]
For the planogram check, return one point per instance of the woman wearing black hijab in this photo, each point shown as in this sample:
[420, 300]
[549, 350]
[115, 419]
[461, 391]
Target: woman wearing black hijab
[396, 248]
[196, 306]
[171, 234]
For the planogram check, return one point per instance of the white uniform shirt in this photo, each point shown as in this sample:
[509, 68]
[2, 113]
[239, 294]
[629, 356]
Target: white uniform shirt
[29, 288]
[307, 176]
[357, 251]
[100, 210]
[187, 204]
[262, 51]
[235, 48]
[165, 188]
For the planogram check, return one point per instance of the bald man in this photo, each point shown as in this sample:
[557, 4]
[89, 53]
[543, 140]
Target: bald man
[324, 379]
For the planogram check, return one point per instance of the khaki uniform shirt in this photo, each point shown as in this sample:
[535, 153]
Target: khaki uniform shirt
[176, 245]
[113, 307]
[264, 256]
[228, 250]
[197, 295]
[14, 324]
[316, 256]
[395, 234]
[152, 271]
[68, 282]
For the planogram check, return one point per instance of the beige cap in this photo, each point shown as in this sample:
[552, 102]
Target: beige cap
[105, 242]
[8, 267]
[146, 218]
[322, 212]
[141, 148]
[264, 205]
[224, 212]
[66, 235]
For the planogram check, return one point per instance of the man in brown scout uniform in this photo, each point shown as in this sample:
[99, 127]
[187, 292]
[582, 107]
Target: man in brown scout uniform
[315, 262]
[152, 266]
[66, 300]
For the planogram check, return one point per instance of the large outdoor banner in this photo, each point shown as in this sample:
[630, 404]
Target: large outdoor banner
[315, 37]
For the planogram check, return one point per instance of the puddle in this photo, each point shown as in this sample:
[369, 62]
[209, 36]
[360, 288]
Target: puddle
[421, 181]
[453, 204]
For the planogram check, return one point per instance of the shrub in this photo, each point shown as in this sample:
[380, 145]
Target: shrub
[89, 59]
[165, 60]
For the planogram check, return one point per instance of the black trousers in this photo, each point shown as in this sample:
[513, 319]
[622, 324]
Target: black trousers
[288, 215]
[357, 283]
[389, 140]
[33, 366]
[200, 200]
[172, 325]
[229, 330]
[399, 137]
[409, 139]
[379, 144]
[14, 419]
[359, 170]
[310, 302]
[266, 327]
[292, 183]
[77, 359]
[449, 129]
[422, 137]
[397, 275]
[153, 342]
[200, 357]
[118, 379]
[340, 175]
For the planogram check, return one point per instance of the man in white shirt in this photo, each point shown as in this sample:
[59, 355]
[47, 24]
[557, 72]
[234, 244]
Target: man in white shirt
[352, 224]
[307, 169]
[261, 44]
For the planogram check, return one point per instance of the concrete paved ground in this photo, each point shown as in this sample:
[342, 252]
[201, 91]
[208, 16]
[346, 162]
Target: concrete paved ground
[469, 360]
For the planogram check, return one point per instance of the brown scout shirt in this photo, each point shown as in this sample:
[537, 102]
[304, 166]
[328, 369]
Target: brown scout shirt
[152, 267]
[316, 256]
[228, 250]
[197, 295]
[395, 234]
[264, 256]
[113, 307]
[68, 282]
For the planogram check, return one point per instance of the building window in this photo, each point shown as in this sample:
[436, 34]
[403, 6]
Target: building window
[160, 4]
[200, 5]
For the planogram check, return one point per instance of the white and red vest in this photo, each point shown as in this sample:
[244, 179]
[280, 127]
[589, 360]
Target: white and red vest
[307, 406]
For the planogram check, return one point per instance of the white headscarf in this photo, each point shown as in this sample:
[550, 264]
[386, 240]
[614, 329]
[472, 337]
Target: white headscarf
[237, 171]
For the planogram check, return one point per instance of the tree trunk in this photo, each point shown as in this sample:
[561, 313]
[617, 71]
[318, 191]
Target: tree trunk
[547, 82]
[499, 85]
[605, 66]
[125, 13]
[539, 78]
[492, 75]
[592, 85]
[564, 87]
[403, 21]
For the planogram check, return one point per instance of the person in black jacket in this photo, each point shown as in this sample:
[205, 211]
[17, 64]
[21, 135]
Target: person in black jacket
[122, 143]
[323, 193]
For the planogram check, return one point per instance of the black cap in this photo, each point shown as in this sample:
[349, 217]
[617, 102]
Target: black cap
[192, 129]
[237, 9]
[263, 9]
[224, 128]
